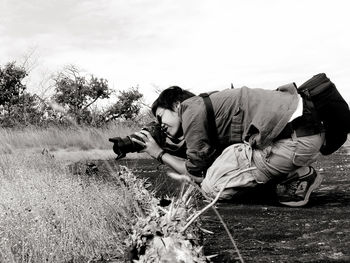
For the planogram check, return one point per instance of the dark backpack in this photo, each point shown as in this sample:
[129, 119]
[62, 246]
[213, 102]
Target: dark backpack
[331, 109]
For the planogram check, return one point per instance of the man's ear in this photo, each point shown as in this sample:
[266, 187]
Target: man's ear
[176, 106]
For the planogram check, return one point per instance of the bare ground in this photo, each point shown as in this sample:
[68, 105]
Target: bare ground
[267, 232]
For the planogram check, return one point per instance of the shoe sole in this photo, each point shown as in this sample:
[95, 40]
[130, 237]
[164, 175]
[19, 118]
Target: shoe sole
[317, 183]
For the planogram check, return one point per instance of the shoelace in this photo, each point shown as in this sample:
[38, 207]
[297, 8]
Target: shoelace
[290, 188]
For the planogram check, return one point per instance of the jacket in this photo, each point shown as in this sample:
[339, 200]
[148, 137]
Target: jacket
[256, 116]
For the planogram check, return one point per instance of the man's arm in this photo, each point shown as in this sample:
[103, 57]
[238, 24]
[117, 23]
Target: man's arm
[152, 148]
[179, 165]
[175, 163]
[200, 152]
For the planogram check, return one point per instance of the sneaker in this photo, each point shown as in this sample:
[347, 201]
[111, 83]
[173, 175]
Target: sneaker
[295, 191]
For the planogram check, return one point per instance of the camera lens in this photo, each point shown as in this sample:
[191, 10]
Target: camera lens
[125, 145]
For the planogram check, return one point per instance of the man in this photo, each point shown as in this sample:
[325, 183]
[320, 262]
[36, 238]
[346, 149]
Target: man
[271, 130]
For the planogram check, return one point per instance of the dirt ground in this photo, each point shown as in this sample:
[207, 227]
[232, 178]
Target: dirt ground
[267, 232]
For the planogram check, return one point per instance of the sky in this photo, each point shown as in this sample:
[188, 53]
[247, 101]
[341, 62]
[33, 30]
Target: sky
[199, 45]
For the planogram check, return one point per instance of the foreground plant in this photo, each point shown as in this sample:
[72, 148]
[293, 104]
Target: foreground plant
[158, 237]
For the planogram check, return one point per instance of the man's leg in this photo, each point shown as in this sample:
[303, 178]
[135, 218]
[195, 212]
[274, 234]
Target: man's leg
[288, 161]
[226, 173]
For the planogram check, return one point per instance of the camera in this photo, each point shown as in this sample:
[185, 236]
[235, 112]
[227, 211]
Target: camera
[125, 145]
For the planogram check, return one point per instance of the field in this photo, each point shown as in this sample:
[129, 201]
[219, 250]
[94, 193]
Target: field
[54, 209]
[50, 214]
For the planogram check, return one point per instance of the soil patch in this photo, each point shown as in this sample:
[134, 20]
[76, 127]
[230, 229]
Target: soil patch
[267, 232]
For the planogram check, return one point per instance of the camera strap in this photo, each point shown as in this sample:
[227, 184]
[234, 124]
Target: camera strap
[212, 129]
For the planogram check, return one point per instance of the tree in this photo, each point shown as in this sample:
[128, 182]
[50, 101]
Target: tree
[26, 111]
[11, 87]
[127, 107]
[17, 106]
[77, 93]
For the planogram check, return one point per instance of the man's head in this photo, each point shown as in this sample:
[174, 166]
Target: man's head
[166, 107]
[169, 97]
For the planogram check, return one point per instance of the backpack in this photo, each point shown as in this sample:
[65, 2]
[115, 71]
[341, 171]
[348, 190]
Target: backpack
[331, 110]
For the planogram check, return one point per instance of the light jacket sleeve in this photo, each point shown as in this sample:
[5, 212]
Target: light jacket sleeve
[200, 154]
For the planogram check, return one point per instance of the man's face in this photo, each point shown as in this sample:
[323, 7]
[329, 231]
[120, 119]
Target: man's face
[170, 120]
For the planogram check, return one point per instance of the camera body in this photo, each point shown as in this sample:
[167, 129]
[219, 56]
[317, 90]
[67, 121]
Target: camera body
[125, 145]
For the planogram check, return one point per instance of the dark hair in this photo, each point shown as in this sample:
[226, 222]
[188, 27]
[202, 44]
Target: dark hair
[168, 97]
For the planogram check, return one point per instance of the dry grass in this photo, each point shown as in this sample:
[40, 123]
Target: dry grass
[83, 138]
[49, 215]
[68, 144]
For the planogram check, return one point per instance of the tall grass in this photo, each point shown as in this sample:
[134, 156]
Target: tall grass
[49, 215]
[53, 138]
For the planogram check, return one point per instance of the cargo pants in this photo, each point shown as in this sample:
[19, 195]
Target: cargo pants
[276, 161]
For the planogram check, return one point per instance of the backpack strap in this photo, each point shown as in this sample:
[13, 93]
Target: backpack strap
[212, 129]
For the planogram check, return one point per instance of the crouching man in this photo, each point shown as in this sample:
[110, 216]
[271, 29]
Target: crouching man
[275, 132]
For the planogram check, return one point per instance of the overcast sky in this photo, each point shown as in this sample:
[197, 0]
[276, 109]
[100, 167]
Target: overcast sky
[200, 45]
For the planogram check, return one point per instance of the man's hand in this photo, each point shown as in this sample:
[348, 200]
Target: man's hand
[150, 145]
[153, 149]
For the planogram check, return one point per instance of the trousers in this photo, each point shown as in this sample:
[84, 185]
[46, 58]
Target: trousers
[273, 162]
